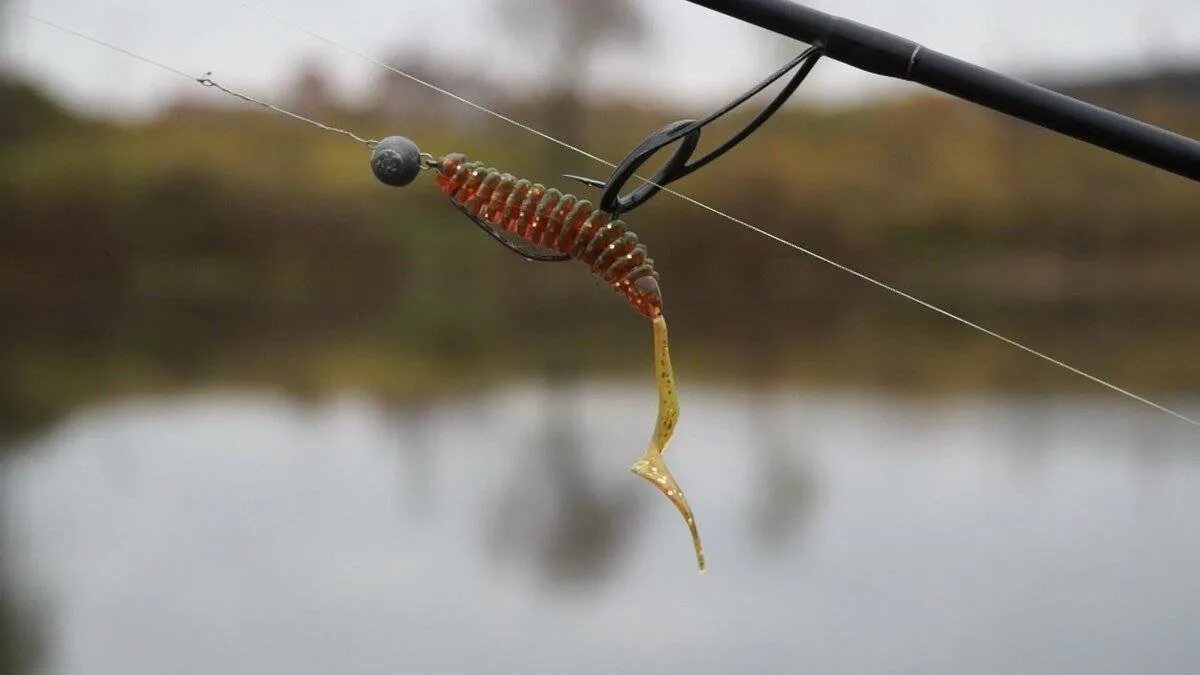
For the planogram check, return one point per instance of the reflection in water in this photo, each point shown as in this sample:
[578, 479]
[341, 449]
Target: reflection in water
[263, 536]
[582, 525]
[1030, 439]
[785, 496]
[411, 430]
[1158, 449]
[20, 619]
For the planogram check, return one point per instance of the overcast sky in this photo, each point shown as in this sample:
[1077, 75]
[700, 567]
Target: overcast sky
[690, 55]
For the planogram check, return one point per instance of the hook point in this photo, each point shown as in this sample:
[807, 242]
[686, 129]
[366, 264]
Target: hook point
[590, 182]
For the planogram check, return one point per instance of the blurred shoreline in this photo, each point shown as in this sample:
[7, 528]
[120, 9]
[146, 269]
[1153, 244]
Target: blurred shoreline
[226, 247]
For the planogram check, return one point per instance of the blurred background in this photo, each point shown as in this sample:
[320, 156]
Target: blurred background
[259, 413]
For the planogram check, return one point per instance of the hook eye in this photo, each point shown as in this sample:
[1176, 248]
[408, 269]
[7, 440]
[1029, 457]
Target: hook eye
[614, 202]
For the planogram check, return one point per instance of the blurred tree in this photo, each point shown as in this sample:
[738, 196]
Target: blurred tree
[397, 96]
[311, 90]
[394, 97]
[568, 34]
[26, 112]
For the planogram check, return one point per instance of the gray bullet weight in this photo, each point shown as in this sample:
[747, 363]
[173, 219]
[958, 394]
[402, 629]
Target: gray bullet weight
[396, 161]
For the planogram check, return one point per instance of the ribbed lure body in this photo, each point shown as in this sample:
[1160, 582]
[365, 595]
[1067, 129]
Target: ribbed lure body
[556, 221]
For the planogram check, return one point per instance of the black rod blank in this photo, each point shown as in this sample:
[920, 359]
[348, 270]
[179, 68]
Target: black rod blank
[883, 53]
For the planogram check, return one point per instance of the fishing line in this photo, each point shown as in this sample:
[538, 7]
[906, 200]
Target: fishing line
[206, 80]
[209, 82]
[414, 78]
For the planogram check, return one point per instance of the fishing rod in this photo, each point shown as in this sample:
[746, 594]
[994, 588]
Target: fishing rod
[882, 53]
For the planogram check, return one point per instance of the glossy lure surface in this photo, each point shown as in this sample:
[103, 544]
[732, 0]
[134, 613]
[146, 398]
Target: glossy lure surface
[555, 222]
[543, 224]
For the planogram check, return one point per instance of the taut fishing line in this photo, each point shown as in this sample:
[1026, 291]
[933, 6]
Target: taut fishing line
[206, 80]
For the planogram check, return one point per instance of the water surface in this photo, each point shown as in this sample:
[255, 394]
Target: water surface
[243, 533]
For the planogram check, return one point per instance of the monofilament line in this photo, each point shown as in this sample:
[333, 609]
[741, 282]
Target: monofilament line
[102, 43]
[209, 82]
[205, 80]
[424, 83]
[758, 230]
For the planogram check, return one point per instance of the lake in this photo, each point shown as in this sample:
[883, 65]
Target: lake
[850, 532]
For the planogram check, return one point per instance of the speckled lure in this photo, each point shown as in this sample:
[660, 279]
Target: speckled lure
[545, 225]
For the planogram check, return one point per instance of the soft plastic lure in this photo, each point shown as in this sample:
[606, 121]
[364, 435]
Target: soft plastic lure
[544, 225]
